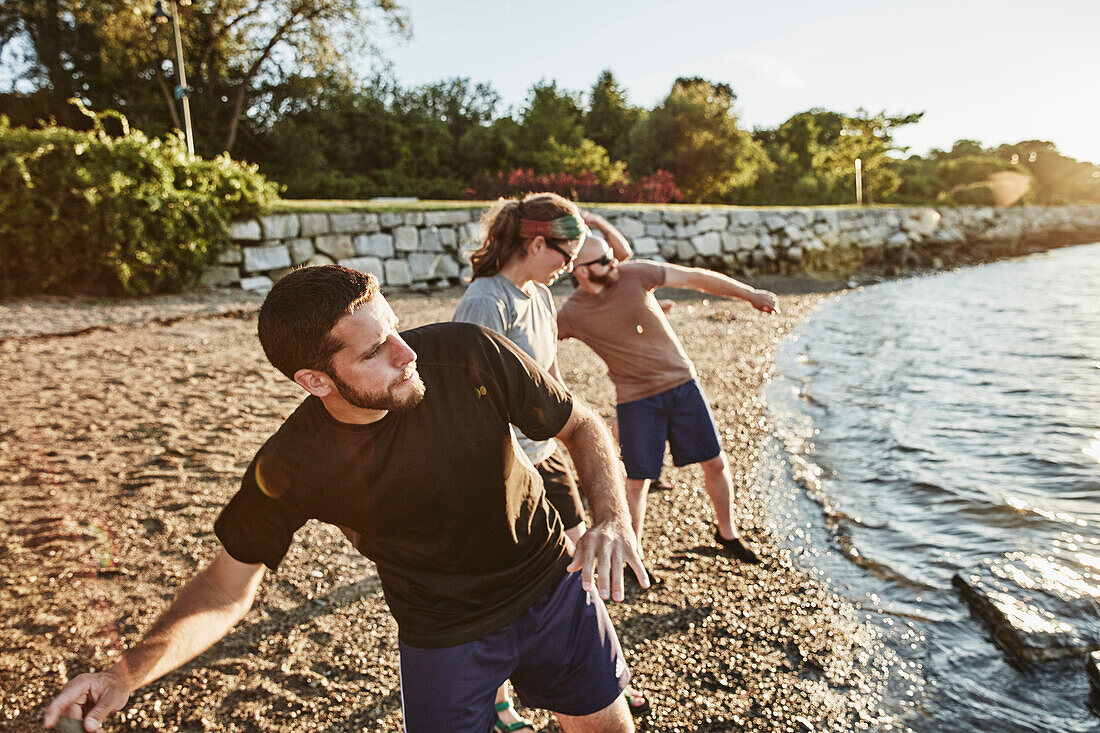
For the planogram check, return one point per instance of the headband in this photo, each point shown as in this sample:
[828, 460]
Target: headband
[570, 226]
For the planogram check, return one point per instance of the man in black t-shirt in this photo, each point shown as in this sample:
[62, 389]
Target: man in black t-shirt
[404, 442]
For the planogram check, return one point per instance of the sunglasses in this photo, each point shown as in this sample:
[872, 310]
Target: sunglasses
[604, 260]
[567, 256]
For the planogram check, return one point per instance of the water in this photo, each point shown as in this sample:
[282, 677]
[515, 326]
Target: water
[937, 458]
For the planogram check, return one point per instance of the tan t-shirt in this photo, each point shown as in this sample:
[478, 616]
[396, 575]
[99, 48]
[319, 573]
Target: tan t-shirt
[625, 326]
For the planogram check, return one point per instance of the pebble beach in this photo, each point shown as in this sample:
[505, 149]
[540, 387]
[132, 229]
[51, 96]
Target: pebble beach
[128, 424]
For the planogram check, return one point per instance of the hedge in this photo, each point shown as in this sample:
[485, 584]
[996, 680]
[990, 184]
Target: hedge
[94, 214]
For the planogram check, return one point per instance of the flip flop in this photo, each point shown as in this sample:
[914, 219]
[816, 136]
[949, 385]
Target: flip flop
[509, 727]
[642, 708]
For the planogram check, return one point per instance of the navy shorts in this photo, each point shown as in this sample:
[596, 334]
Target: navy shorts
[561, 654]
[679, 416]
[561, 488]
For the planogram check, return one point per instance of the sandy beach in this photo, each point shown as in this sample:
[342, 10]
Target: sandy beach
[128, 425]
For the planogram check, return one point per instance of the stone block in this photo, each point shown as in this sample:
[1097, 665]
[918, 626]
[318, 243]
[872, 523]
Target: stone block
[375, 245]
[897, 240]
[669, 247]
[443, 218]
[414, 218]
[319, 259]
[300, 250]
[347, 223]
[269, 257]
[245, 230]
[314, 224]
[219, 276]
[794, 254]
[448, 267]
[652, 217]
[257, 283]
[708, 244]
[429, 240]
[685, 251]
[336, 246]
[280, 273]
[644, 246]
[424, 266]
[390, 219]
[231, 256]
[280, 226]
[730, 242]
[448, 237]
[397, 273]
[630, 227]
[793, 232]
[406, 239]
[370, 223]
[685, 230]
[371, 265]
[658, 229]
[712, 223]
[775, 223]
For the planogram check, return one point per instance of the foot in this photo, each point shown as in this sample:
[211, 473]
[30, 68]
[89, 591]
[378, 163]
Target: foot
[509, 720]
[737, 547]
[639, 705]
[659, 485]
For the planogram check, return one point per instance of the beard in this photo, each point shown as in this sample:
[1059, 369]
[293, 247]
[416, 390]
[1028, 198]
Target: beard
[387, 399]
[608, 278]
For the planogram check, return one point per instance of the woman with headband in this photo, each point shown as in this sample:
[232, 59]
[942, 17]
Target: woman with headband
[525, 246]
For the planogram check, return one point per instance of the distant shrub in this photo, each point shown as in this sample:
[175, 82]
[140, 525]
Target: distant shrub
[88, 213]
[659, 188]
[338, 185]
[975, 194]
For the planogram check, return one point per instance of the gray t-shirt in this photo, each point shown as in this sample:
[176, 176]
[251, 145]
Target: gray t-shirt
[529, 321]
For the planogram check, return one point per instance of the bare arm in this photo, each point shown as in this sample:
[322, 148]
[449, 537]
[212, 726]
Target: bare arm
[715, 283]
[203, 611]
[620, 246]
[610, 541]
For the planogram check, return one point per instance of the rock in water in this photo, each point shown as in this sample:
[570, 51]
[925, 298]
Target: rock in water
[1092, 664]
[1036, 607]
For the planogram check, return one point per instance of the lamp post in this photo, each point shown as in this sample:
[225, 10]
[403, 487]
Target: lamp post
[182, 92]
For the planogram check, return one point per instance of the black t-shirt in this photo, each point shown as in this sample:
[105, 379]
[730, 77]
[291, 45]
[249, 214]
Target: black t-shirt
[441, 496]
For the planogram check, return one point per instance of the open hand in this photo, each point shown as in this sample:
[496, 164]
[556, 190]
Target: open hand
[600, 554]
[88, 697]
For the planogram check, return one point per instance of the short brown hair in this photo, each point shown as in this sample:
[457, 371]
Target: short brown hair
[500, 237]
[297, 317]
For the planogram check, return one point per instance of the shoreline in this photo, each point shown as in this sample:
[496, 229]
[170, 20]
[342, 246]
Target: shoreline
[109, 506]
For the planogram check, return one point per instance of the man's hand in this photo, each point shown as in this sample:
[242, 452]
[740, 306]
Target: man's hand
[90, 698]
[600, 555]
[762, 300]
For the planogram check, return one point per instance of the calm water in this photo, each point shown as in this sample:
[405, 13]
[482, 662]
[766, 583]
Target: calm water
[938, 443]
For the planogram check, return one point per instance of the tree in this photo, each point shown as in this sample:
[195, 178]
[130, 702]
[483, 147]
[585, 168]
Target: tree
[610, 118]
[103, 53]
[1058, 178]
[694, 134]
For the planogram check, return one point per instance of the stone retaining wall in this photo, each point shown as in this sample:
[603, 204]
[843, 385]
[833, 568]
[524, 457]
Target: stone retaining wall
[426, 249]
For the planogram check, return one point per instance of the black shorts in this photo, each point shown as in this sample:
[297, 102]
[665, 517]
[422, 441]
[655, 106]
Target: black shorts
[562, 490]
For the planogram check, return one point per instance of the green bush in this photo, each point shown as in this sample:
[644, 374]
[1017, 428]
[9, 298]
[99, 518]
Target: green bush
[88, 213]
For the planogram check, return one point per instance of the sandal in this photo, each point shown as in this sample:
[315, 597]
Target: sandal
[509, 727]
[640, 709]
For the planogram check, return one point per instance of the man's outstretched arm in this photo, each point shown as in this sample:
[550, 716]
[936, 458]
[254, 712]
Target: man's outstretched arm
[203, 611]
[620, 246]
[610, 542]
[715, 283]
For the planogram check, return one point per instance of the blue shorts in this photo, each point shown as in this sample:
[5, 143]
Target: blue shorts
[561, 654]
[679, 416]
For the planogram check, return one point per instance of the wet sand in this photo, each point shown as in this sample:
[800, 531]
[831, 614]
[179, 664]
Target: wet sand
[120, 442]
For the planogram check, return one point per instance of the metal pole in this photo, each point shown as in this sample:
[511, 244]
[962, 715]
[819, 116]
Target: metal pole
[859, 182]
[181, 90]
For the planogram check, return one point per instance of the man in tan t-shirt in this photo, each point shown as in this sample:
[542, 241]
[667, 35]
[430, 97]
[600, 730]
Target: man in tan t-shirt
[615, 313]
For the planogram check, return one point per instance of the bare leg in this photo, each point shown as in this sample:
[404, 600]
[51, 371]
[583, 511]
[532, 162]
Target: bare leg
[719, 484]
[615, 718]
[636, 492]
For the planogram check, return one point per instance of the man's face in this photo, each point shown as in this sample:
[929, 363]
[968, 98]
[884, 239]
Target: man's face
[603, 268]
[375, 369]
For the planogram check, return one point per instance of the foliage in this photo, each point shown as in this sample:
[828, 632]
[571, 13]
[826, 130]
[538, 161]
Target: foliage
[88, 213]
[104, 53]
[694, 134]
[610, 118]
[657, 188]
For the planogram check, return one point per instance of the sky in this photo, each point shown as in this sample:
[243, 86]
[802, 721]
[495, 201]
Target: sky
[994, 71]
